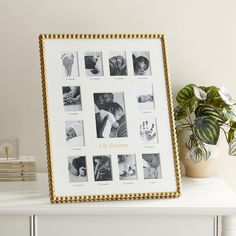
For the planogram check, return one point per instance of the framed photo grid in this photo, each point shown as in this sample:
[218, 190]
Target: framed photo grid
[108, 117]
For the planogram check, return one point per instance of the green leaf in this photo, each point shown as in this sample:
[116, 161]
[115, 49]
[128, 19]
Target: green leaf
[190, 105]
[198, 153]
[185, 94]
[213, 97]
[206, 129]
[199, 93]
[179, 113]
[232, 147]
[212, 92]
[210, 111]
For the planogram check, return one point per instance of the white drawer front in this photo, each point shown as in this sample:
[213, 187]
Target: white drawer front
[125, 225]
[14, 225]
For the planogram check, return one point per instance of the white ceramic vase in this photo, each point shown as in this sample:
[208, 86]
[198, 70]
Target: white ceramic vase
[201, 169]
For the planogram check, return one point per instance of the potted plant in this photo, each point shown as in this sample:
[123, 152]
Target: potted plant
[201, 113]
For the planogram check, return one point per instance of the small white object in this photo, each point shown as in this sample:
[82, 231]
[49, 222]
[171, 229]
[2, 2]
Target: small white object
[226, 96]
[9, 148]
[199, 93]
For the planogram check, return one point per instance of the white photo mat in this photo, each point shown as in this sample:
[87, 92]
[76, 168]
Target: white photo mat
[142, 113]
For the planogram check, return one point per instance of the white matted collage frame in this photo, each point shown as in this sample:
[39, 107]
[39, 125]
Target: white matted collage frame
[108, 118]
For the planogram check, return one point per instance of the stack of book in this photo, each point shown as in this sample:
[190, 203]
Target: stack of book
[22, 169]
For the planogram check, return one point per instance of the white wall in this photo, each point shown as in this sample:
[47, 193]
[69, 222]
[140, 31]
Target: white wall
[201, 44]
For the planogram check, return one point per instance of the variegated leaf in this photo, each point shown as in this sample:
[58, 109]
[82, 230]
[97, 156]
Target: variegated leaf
[179, 113]
[199, 153]
[196, 154]
[185, 94]
[210, 111]
[212, 92]
[206, 129]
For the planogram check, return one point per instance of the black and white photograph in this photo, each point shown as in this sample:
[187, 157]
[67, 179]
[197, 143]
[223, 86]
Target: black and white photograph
[102, 168]
[145, 97]
[151, 166]
[71, 98]
[77, 169]
[148, 130]
[74, 133]
[69, 64]
[117, 63]
[141, 63]
[127, 167]
[93, 63]
[110, 115]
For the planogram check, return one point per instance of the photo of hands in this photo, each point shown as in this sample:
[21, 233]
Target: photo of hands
[117, 63]
[148, 130]
[71, 98]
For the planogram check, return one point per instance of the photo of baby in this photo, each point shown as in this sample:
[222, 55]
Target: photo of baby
[117, 63]
[151, 166]
[71, 98]
[69, 64]
[93, 63]
[75, 133]
[148, 131]
[102, 168]
[77, 169]
[110, 115]
[141, 63]
[145, 97]
[127, 167]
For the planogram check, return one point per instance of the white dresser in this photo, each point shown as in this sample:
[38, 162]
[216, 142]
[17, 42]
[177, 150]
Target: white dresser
[25, 210]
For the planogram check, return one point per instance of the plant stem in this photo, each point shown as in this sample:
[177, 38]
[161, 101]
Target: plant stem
[190, 120]
[227, 125]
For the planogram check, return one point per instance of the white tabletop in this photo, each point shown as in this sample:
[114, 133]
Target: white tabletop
[207, 196]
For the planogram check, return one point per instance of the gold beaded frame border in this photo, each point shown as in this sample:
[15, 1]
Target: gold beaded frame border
[108, 197]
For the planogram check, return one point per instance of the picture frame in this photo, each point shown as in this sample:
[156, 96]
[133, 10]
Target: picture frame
[110, 132]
